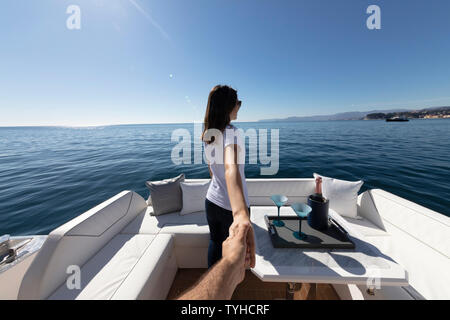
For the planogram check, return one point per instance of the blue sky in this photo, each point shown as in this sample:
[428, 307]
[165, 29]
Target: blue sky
[140, 61]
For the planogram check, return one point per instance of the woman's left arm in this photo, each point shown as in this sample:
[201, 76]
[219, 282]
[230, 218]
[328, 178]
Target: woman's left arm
[210, 172]
[237, 200]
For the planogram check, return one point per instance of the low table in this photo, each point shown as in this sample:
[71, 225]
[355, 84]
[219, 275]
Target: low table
[364, 265]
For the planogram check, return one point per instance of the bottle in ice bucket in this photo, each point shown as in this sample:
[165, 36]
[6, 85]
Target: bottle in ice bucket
[318, 217]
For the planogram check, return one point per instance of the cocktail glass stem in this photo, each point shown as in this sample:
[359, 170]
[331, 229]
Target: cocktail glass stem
[300, 235]
[278, 222]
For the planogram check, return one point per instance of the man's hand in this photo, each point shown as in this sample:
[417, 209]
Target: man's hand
[234, 250]
[221, 280]
[250, 237]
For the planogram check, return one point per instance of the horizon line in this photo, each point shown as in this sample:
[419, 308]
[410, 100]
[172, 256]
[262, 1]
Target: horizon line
[171, 123]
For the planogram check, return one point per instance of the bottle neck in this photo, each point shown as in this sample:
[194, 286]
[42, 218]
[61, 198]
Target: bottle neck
[319, 185]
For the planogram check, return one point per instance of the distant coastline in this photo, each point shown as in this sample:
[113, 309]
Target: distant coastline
[431, 113]
[427, 113]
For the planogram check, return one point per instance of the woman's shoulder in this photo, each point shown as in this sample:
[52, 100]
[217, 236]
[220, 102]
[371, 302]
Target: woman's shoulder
[231, 130]
[232, 135]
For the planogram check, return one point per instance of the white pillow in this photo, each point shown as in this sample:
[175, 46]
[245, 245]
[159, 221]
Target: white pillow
[343, 195]
[194, 195]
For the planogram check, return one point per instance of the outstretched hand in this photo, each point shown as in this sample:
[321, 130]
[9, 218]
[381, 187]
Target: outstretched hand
[249, 239]
[221, 280]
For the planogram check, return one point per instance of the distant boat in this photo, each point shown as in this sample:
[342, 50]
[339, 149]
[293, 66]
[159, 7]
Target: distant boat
[397, 119]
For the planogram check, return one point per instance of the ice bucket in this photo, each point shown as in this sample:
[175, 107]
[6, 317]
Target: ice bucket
[318, 217]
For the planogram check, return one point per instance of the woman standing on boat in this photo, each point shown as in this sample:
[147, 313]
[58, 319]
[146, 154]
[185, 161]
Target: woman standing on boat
[226, 202]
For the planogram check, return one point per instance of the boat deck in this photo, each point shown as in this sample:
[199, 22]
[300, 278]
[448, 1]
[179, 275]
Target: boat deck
[252, 288]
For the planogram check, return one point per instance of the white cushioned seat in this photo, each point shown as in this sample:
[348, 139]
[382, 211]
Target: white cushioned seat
[191, 244]
[420, 242]
[188, 235]
[190, 232]
[128, 267]
[419, 222]
[418, 239]
[365, 227]
[76, 241]
[145, 223]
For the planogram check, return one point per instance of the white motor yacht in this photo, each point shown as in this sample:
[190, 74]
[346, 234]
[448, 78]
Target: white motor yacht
[122, 251]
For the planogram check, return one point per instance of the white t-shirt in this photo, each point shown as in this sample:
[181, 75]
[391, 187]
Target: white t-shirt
[217, 191]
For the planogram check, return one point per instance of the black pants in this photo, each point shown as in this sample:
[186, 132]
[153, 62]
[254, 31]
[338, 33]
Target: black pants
[219, 221]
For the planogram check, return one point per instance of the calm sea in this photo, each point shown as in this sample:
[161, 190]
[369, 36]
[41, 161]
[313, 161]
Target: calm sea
[49, 175]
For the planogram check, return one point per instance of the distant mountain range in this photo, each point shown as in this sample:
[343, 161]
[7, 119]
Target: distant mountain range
[355, 115]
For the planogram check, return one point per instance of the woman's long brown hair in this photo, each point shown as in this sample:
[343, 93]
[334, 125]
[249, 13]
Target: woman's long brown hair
[221, 102]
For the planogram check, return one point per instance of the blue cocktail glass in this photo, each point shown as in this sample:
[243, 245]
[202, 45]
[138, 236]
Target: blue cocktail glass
[302, 210]
[279, 201]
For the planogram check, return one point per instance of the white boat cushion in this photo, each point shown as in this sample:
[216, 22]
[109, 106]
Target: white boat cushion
[145, 223]
[122, 269]
[194, 195]
[367, 209]
[191, 244]
[188, 235]
[260, 190]
[420, 242]
[343, 195]
[427, 226]
[76, 241]
[157, 265]
[365, 227]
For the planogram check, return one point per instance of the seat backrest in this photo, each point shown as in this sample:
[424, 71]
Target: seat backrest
[73, 243]
[420, 240]
[260, 190]
[297, 190]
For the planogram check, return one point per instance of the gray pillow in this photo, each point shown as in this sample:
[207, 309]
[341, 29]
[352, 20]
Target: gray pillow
[166, 195]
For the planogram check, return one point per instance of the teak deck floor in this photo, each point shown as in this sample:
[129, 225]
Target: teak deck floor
[252, 288]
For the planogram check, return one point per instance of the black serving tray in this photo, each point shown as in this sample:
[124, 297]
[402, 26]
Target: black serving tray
[335, 237]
